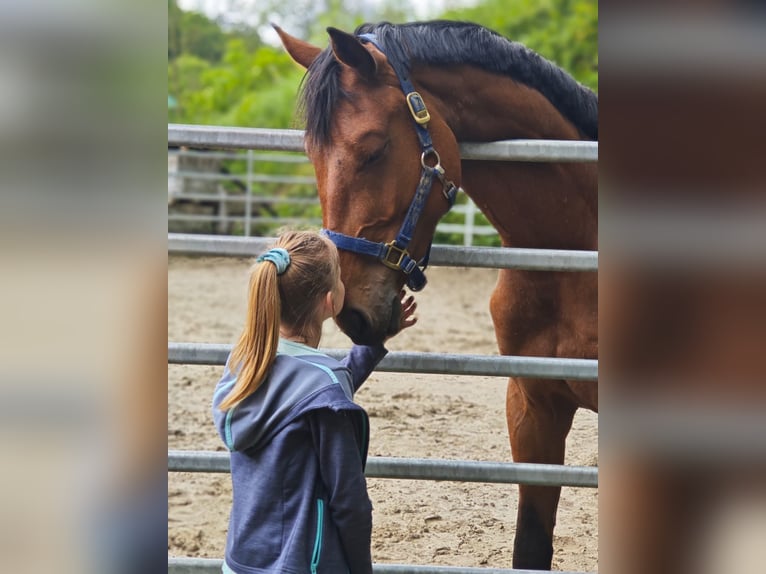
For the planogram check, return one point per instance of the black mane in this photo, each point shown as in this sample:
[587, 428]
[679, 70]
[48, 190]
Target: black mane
[444, 42]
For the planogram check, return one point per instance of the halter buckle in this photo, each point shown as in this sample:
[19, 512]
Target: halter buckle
[418, 108]
[393, 256]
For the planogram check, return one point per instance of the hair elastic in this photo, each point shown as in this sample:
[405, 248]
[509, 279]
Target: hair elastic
[278, 256]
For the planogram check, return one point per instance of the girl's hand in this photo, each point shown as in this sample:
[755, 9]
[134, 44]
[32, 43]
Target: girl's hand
[406, 317]
[409, 306]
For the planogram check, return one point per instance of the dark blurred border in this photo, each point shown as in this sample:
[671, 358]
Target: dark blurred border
[83, 295]
[83, 395]
[683, 283]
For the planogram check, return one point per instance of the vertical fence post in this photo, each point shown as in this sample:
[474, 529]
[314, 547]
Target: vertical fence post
[175, 187]
[249, 193]
[470, 212]
[223, 210]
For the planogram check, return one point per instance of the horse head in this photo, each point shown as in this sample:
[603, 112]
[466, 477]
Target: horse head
[365, 137]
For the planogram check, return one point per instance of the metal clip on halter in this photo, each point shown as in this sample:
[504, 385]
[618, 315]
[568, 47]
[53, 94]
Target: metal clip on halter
[398, 255]
[418, 108]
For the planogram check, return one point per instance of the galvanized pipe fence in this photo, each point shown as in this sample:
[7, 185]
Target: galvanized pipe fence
[292, 140]
[532, 367]
[441, 255]
[220, 137]
[422, 469]
[426, 363]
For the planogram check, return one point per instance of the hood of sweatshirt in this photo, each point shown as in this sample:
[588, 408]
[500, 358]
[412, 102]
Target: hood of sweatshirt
[301, 379]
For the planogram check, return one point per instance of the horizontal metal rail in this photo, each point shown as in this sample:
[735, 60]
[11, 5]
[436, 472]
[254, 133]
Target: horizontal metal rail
[460, 228]
[253, 177]
[255, 199]
[292, 140]
[430, 363]
[185, 565]
[220, 137]
[531, 150]
[441, 255]
[422, 469]
[253, 219]
[238, 155]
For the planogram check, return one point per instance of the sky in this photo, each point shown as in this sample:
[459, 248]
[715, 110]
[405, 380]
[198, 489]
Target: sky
[234, 11]
[423, 9]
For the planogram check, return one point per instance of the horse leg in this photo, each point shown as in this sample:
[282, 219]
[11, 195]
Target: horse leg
[524, 308]
[538, 424]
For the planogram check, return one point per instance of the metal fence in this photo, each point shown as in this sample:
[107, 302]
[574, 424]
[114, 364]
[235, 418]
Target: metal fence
[219, 137]
[292, 141]
[422, 469]
[199, 178]
[441, 255]
[427, 363]
[382, 467]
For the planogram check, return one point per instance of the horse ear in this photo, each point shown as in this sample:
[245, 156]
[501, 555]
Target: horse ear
[302, 52]
[348, 49]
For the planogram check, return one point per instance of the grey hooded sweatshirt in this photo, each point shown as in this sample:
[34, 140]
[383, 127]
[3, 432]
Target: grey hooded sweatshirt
[298, 450]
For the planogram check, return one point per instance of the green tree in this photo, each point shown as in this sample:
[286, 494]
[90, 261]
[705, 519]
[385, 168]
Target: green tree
[193, 33]
[201, 37]
[247, 88]
[174, 29]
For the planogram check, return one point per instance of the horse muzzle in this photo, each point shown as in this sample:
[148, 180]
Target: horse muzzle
[366, 328]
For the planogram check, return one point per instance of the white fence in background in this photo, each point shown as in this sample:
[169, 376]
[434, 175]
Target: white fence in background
[196, 177]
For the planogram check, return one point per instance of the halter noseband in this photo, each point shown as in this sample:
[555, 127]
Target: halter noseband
[394, 254]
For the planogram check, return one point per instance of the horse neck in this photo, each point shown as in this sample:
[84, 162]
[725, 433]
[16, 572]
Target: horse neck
[544, 205]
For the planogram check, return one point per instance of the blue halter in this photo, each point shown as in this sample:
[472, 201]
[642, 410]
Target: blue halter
[394, 254]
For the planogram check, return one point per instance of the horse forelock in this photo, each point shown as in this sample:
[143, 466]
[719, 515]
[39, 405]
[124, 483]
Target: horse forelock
[320, 91]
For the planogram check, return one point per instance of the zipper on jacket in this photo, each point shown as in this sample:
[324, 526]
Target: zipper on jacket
[318, 540]
[365, 445]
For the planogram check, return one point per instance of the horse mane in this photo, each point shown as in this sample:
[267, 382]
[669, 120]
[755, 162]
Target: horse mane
[441, 43]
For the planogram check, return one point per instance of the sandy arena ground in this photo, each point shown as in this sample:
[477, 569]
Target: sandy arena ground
[434, 416]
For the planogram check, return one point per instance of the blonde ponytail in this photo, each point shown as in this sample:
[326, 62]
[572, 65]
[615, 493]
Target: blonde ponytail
[252, 356]
[287, 285]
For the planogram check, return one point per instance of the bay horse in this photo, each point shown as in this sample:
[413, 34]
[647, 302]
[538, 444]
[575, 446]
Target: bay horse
[385, 109]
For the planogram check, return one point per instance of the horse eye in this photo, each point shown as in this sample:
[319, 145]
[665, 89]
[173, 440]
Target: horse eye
[375, 156]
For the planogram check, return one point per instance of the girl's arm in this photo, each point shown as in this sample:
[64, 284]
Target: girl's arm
[362, 359]
[341, 467]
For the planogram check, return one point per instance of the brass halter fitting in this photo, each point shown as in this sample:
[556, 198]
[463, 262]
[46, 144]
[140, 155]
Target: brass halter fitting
[393, 256]
[418, 108]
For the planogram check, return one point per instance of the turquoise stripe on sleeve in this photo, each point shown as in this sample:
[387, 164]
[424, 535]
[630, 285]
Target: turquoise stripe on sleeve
[327, 370]
[227, 428]
[318, 540]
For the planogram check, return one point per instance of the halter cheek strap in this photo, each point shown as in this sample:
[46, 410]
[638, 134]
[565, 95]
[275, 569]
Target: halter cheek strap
[394, 254]
[390, 254]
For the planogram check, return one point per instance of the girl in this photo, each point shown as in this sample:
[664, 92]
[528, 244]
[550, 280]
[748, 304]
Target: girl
[298, 442]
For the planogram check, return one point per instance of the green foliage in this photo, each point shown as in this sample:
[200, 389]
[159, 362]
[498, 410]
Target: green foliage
[248, 88]
[193, 33]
